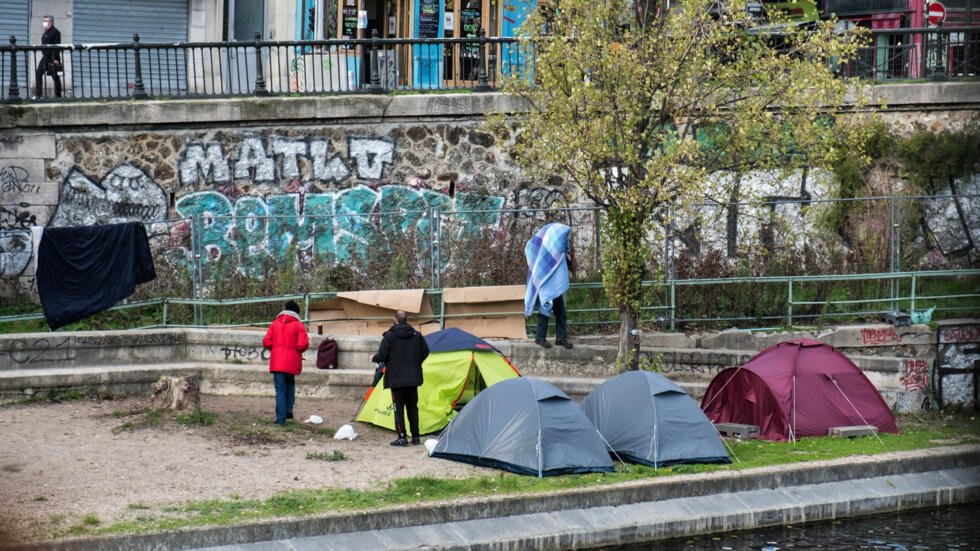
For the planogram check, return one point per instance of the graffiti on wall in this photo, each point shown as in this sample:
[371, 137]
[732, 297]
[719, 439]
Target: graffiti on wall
[248, 230]
[959, 348]
[916, 374]
[256, 199]
[531, 200]
[126, 194]
[16, 179]
[208, 164]
[955, 225]
[23, 194]
[872, 336]
[15, 252]
[763, 206]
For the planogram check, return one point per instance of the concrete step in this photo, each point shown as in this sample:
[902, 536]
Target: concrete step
[232, 380]
[234, 362]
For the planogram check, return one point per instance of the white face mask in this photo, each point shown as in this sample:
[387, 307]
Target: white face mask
[44, 24]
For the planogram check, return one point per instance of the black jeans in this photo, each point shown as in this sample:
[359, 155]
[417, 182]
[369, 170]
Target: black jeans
[44, 68]
[561, 321]
[406, 398]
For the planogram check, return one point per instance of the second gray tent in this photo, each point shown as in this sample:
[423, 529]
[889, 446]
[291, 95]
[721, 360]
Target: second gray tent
[646, 418]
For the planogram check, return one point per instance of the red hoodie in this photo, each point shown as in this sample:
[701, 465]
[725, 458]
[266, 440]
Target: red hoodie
[288, 339]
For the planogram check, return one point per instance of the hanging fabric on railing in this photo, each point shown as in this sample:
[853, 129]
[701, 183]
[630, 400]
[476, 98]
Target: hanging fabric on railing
[886, 20]
[83, 270]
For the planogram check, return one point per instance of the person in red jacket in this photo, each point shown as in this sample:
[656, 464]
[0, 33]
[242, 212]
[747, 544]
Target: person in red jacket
[287, 340]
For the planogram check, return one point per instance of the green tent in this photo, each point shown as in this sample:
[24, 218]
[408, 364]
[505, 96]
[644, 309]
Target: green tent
[459, 366]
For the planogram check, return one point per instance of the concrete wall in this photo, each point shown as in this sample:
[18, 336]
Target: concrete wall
[896, 360]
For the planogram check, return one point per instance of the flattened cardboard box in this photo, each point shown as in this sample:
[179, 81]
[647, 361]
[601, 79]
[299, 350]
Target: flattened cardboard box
[351, 312]
[501, 306]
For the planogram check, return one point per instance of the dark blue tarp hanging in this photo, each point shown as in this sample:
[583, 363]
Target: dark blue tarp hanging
[83, 270]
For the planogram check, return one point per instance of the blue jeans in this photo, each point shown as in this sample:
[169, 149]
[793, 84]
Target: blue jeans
[285, 394]
[558, 311]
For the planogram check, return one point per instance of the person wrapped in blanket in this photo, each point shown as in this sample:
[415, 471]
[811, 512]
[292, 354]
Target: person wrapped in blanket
[547, 281]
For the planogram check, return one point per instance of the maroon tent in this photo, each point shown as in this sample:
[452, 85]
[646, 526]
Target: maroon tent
[796, 388]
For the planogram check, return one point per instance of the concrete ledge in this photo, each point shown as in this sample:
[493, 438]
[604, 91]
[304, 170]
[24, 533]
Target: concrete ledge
[234, 362]
[706, 503]
[645, 523]
[931, 96]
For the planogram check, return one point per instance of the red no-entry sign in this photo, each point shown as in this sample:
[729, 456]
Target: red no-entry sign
[937, 13]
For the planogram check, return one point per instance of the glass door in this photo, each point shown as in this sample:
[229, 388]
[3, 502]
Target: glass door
[467, 17]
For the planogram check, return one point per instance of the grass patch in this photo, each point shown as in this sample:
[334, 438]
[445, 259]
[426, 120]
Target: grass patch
[918, 431]
[337, 455]
[257, 435]
[196, 417]
[142, 419]
[55, 396]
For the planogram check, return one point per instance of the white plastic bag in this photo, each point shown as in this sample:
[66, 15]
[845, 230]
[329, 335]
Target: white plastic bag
[345, 432]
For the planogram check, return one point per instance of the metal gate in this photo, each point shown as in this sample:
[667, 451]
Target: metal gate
[107, 22]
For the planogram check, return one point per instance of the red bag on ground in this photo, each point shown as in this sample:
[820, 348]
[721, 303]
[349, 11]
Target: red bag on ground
[326, 354]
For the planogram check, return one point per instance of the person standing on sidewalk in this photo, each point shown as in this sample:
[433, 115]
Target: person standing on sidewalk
[402, 351]
[547, 281]
[287, 339]
[50, 63]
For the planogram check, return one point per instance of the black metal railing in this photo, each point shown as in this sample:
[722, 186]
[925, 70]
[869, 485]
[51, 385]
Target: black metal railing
[215, 69]
[905, 54]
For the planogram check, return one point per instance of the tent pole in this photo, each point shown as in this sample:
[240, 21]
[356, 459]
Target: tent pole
[656, 441]
[792, 427]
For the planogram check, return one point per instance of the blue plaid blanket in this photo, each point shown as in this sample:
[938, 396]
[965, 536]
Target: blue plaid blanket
[547, 270]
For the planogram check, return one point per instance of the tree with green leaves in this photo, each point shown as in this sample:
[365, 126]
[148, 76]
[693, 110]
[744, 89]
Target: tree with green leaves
[637, 104]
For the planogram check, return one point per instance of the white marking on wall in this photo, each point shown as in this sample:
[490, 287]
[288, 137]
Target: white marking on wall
[333, 171]
[253, 164]
[209, 165]
[371, 156]
[288, 151]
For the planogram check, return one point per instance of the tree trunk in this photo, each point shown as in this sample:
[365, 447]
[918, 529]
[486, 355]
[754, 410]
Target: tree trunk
[627, 323]
[176, 393]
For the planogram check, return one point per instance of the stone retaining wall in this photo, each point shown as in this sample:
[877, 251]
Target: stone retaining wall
[105, 162]
[896, 360]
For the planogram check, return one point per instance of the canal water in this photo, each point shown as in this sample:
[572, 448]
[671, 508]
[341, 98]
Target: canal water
[945, 529]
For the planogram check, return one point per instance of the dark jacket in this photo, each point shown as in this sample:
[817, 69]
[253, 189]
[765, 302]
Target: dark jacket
[402, 350]
[51, 36]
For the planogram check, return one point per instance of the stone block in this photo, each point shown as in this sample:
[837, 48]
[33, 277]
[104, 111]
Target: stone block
[33, 146]
[852, 431]
[737, 430]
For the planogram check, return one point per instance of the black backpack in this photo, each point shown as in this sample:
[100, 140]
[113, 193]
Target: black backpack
[326, 354]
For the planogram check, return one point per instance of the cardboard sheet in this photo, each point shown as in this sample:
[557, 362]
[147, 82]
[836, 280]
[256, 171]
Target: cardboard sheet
[492, 303]
[351, 312]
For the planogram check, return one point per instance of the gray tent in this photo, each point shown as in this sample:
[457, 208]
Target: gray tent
[646, 418]
[526, 426]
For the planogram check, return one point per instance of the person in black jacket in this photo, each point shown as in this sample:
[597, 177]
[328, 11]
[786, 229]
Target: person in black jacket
[402, 351]
[50, 59]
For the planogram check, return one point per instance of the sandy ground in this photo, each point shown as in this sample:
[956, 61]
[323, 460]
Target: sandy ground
[63, 462]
